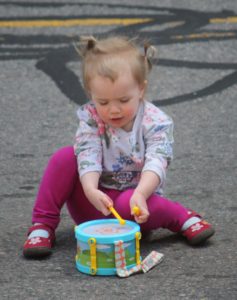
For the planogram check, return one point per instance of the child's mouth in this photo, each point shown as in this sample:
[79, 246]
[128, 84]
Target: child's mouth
[116, 119]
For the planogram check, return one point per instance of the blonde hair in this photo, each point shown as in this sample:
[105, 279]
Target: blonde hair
[104, 58]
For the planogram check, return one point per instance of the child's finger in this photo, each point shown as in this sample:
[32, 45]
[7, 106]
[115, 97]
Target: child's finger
[143, 216]
[107, 201]
[105, 211]
[141, 219]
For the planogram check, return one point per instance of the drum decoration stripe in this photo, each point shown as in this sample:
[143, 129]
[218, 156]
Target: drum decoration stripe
[120, 262]
[92, 245]
[153, 259]
[138, 237]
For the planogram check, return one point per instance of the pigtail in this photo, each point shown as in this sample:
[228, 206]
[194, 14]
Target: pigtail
[88, 41]
[85, 44]
[149, 53]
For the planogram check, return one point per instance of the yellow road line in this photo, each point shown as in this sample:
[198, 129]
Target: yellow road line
[74, 22]
[95, 22]
[223, 20]
[203, 35]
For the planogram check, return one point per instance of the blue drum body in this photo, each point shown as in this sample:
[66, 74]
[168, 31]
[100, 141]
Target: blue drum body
[95, 245]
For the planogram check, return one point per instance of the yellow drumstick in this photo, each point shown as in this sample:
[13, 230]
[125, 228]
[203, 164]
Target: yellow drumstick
[136, 210]
[117, 216]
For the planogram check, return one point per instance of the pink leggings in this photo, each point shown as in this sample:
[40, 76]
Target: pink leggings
[60, 184]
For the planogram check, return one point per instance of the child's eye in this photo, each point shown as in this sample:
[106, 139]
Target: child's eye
[103, 102]
[124, 100]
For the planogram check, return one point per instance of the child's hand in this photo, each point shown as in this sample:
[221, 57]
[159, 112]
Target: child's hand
[139, 200]
[100, 201]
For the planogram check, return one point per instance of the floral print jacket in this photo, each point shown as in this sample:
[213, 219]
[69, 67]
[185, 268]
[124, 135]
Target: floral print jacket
[121, 156]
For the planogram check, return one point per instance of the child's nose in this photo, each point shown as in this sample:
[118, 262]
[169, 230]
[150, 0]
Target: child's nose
[114, 109]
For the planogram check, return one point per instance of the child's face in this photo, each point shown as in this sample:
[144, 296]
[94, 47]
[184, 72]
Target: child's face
[117, 102]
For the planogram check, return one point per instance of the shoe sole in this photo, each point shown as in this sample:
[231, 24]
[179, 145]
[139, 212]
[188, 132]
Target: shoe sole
[37, 252]
[202, 237]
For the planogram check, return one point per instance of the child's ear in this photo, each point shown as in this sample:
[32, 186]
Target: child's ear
[88, 93]
[145, 84]
[143, 87]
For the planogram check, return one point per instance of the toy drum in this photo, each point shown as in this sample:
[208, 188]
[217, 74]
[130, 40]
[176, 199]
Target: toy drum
[96, 245]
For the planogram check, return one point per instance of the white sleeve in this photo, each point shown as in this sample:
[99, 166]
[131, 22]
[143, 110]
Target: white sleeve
[159, 151]
[87, 147]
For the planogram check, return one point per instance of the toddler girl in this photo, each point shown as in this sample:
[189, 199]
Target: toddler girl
[122, 149]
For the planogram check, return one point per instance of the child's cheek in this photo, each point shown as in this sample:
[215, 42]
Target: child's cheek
[130, 112]
[101, 113]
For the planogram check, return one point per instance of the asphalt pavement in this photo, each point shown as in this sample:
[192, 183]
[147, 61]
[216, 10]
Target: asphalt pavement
[194, 80]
